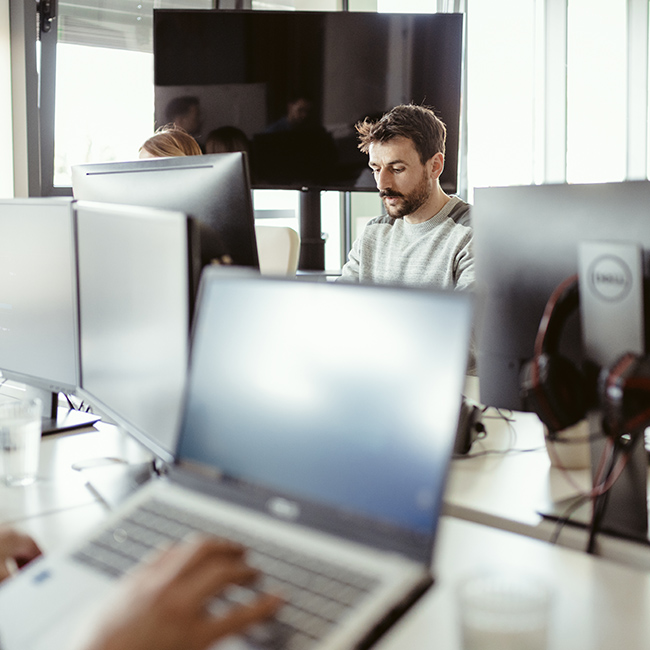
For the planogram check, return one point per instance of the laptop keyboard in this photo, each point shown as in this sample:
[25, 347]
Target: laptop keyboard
[317, 594]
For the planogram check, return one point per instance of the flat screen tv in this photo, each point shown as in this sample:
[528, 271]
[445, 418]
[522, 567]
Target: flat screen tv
[295, 83]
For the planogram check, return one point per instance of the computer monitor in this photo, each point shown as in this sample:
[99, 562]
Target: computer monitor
[38, 305]
[527, 241]
[134, 315]
[214, 189]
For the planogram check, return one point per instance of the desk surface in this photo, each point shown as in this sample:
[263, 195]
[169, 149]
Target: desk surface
[507, 480]
[60, 502]
[599, 604]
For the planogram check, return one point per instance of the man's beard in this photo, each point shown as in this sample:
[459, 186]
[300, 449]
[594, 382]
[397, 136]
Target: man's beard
[410, 203]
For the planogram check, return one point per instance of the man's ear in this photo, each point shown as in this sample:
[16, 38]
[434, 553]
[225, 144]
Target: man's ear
[437, 164]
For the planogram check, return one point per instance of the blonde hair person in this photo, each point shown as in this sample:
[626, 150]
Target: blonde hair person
[170, 140]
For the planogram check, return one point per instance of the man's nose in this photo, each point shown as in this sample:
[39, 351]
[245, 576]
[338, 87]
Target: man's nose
[382, 179]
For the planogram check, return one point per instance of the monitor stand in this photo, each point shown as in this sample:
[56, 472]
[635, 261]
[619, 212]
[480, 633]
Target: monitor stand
[611, 308]
[58, 418]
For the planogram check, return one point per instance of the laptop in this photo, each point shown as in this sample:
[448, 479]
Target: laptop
[317, 428]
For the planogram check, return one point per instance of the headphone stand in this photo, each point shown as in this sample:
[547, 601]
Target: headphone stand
[626, 510]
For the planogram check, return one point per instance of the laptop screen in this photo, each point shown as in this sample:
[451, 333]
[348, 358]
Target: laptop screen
[344, 395]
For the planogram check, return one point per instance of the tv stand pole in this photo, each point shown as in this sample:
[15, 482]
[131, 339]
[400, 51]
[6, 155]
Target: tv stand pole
[312, 244]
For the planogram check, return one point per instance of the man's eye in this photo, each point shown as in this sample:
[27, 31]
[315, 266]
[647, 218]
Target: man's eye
[398, 170]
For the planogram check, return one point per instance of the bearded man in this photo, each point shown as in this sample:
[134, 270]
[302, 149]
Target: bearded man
[425, 237]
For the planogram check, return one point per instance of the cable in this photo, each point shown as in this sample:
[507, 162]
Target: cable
[565, 518]
[504, 415]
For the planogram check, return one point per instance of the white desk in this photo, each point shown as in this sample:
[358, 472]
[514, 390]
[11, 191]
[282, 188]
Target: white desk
[59, 503]
[507, 490]
[599, 604]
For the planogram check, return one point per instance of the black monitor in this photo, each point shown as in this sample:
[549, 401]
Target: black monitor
[214, 189]
[38, 305]
[134, 315]
[527, 242]
[294, 83]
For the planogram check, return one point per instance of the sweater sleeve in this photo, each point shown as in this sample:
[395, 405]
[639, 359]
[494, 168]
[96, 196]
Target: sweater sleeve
[350, 270]
[464, 267]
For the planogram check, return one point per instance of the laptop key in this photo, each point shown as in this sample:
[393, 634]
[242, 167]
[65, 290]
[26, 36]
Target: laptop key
[317, 593]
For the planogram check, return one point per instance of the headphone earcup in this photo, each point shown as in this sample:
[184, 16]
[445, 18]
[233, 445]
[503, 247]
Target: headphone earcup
[553, 387]
[624, 394]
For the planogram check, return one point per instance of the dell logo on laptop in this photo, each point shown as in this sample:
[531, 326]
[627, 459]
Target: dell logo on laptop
[610, 278]
[283, 508]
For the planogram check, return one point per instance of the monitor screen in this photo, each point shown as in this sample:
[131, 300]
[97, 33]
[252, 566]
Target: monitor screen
[134, 317]
[214, 190]
[275, 369]
[526, 242]
[38, 294]
[292, 85]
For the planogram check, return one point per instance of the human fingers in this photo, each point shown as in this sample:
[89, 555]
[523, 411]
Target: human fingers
[240, 617]
[215, 576]
[16, 550]
[181, 561]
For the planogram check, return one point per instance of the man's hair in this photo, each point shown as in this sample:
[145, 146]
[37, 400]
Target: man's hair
[418, 123]
[171, 140]
[179, 106]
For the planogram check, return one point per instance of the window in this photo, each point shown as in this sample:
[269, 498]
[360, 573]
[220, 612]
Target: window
[546, 101]
[100, 117]
[104, 80]
[501, 92]
[596, 91]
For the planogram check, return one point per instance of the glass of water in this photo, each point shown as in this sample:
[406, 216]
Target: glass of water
[20, 439]
[504, 610]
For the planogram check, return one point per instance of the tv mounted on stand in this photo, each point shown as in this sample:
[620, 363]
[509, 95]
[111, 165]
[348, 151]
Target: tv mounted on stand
[295, 84]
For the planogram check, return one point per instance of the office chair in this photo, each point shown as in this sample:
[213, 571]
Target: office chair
[278, 249]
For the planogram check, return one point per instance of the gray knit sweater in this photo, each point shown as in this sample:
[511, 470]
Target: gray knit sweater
[434, 253]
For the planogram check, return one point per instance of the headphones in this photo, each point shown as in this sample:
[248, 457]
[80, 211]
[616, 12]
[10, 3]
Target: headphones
[561, 393]
[625, 395]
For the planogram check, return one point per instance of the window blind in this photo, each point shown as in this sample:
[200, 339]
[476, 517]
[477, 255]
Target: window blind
[119, 24]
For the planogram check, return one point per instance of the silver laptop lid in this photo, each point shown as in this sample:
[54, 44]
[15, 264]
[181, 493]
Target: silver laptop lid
[332, 405]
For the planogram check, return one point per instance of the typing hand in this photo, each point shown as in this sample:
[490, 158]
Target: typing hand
[16, 550]
[163, 605]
